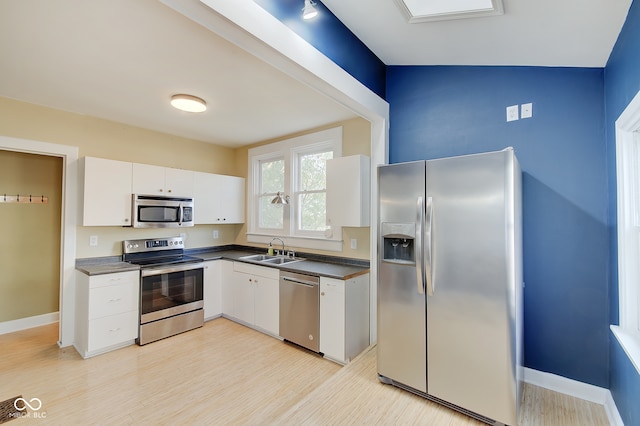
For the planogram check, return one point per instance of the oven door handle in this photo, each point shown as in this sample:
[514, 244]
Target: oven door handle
[173, 268]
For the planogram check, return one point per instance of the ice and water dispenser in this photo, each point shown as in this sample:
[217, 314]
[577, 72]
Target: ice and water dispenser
[398, 242]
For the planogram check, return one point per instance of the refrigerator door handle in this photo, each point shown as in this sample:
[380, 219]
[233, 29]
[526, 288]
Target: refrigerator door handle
[419, 247]
[428, 254]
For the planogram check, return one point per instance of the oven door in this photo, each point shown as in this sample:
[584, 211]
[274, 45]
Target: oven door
[169, 291]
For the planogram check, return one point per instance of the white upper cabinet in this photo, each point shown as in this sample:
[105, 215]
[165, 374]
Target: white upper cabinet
[348, 191]
[218, 198]
[157, 180]
[109, 184]
[107, 192]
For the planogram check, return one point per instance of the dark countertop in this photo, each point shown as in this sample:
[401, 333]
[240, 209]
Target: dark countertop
[326, 266]
[104, 265]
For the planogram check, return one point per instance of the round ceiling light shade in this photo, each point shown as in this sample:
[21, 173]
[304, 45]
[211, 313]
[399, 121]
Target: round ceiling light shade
[188, 103]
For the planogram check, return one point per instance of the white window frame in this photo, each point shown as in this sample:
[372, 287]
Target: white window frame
[628, 209]
[290, 149]
[297, 190]
[259, 160]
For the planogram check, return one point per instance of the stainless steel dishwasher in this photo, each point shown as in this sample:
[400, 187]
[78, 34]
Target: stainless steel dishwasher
[300, 309]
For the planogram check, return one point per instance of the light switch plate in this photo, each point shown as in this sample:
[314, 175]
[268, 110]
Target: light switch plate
[354, 244]
[526, 110]
[512, 113]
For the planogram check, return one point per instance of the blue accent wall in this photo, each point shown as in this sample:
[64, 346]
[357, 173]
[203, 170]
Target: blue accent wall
[622, 82]
[330, 36]
[441, 111]
[567, 154]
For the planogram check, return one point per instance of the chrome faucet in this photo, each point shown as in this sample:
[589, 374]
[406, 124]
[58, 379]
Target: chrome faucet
[281, 242]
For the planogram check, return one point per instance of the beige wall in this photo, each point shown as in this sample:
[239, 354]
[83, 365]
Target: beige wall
[30, 262]
[105, 139]
[356, 139]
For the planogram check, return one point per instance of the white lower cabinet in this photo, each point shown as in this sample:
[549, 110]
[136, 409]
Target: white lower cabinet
[344, 317]
[226, 282]
[212, 289]
[251, 295]
[106, 311]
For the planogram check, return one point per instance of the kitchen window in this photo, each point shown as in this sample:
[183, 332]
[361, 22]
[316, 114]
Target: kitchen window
[295, 168]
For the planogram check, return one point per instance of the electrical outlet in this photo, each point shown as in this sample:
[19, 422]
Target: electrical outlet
[354, 244]
[215, 234]
[512, 113]
[93, 240]
[526, 110]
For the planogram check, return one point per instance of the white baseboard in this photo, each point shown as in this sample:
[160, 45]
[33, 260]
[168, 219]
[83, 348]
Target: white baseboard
[576, 389]
[29, 322]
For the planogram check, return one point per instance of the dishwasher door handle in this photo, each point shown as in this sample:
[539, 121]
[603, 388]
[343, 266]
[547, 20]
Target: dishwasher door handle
[302, 282]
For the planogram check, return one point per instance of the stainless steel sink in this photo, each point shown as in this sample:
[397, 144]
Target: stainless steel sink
[273, 260]
[281, 260]
[259, 257]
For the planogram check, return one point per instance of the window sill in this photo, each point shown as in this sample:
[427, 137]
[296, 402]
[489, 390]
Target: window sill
[630, 342]
[297, 242]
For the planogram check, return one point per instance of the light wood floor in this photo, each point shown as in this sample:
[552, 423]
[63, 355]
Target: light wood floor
[225, 373]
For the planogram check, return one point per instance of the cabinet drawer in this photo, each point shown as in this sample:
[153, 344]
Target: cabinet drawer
[261, 271]
[113, 299]
[112, 330]
[132, 277]
[331, 285]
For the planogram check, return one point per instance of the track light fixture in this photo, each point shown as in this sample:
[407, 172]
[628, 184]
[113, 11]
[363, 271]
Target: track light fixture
[309, 11]
[280, 199]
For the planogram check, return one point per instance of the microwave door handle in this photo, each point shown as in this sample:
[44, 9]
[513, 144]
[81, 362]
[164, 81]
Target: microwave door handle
[180, 214]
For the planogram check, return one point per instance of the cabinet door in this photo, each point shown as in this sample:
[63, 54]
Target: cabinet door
[107, 192]
[206, 198]
[178, 182]
[348, 188]
[332, 318]
[212, 289]
[218, 198]
[244, 294]
[232, 192]
[228, 294]
[267, 305]
[148, 179]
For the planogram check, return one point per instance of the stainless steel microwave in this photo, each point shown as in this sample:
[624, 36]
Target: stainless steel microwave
[153, 211]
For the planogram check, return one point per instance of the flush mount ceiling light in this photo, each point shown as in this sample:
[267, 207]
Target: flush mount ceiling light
[418, 11]
[280, 199]
[309, 11]
[188, 103]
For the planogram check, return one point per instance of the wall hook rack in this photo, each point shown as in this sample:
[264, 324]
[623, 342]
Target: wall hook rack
[24, 199]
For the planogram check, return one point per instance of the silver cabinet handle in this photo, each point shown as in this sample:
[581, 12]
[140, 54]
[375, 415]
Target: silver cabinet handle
[419, 260]
[428, 254]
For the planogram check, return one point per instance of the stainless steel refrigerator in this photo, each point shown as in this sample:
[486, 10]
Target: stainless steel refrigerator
[450, 282]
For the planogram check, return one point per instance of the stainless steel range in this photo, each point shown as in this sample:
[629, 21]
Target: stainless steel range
[171, 287]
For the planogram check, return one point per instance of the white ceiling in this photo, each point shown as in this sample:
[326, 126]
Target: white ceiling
[121, 60]
[568, 33]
